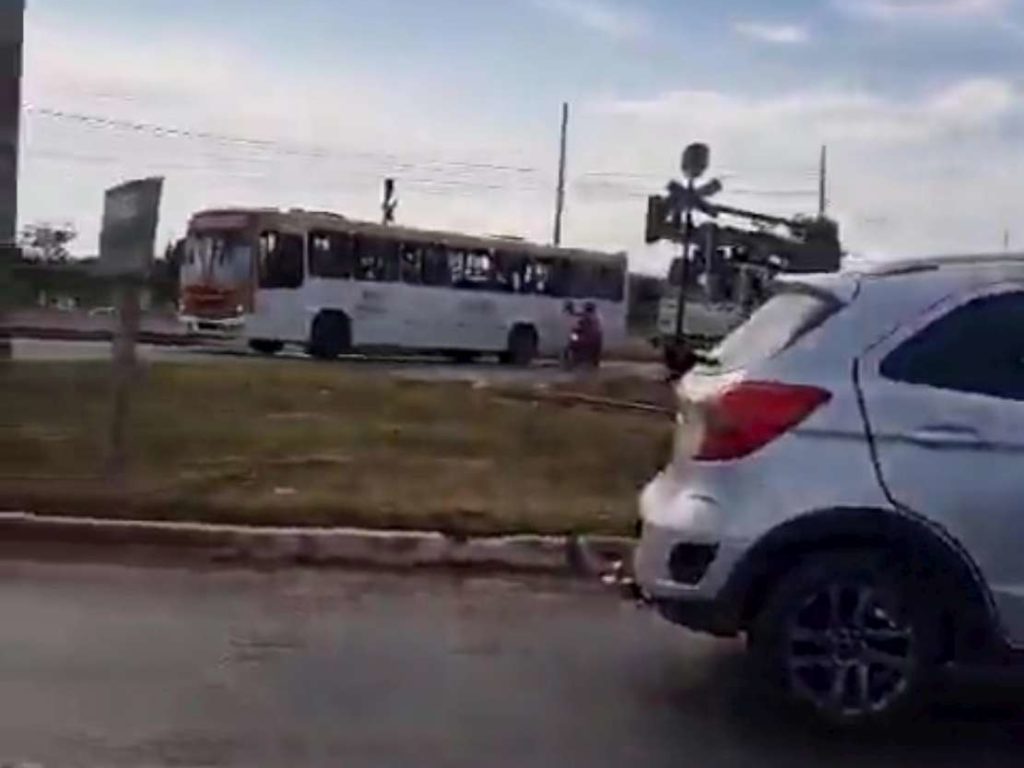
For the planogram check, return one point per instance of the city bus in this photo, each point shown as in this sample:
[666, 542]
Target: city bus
[330, 285]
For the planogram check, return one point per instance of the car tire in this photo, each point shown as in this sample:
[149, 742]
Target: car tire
[844, 637]
[330, 336]
[522, 346]
[266, 346]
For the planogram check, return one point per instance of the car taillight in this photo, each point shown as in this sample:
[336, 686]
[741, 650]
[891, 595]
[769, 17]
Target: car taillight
[747, 416]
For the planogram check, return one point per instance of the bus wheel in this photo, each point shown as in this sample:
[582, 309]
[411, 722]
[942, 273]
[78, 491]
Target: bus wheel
[266, 346]
[522, 346]
[331, 335]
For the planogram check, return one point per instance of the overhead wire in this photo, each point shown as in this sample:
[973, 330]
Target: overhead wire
[432, 173]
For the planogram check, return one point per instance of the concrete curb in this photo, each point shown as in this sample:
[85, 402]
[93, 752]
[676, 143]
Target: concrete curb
[566, 555]
[155, 338]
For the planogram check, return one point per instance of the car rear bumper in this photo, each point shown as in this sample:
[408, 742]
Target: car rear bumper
[685, 557]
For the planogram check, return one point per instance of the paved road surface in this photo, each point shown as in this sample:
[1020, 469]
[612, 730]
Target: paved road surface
[109, 666]
[427, 369]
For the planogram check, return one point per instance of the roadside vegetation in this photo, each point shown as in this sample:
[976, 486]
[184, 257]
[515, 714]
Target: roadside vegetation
[306, 444]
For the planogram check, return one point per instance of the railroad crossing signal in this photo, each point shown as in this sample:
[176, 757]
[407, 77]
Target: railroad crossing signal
[670, 217]
[664, 211]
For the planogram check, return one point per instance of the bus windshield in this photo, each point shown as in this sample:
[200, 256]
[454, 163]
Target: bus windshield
[216, 258]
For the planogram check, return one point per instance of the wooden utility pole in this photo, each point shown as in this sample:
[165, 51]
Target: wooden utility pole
[823, 183]
[560, 194]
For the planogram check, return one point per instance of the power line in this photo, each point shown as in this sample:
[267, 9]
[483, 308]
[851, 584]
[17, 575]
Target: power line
[425, 182]
[270, 145]
[287, 149]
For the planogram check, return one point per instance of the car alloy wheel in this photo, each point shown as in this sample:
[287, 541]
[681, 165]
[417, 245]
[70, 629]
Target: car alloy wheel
[847, 652]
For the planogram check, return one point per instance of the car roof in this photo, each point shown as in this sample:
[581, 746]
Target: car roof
[922, 264]
[926, 274]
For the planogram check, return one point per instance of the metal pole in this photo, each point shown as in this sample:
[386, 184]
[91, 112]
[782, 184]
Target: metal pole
[12, 19]
[684, 271]
[12, 26]
[823, 183]
[560, 194]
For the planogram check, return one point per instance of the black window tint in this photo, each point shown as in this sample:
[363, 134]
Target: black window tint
[281, 260]
[613, 283]
[331, 255]
[535, 276]
[411, 262]
[376, 259]
[435, 266]
[579, 280]
[977, 348]
[560, 284]
[509, 269]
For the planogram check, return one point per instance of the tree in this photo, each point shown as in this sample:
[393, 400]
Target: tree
[46, 241]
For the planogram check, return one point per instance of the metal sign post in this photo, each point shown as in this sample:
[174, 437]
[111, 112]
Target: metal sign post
[130, 217]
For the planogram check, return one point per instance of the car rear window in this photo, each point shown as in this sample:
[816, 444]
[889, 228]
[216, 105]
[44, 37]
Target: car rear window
[775, 326]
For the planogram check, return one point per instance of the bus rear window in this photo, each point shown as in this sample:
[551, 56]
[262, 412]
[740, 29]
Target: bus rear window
[778, 324]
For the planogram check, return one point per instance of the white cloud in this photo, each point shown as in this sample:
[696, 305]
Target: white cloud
[776, 34]
[599, 16]
[923, 10]
[833, 115]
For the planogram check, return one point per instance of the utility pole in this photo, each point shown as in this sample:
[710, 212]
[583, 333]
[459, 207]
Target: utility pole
[12, 26]
[560, 194]
[389, 202]
[823, 183]
[1006, 240]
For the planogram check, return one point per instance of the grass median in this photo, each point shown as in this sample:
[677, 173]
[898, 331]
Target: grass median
[297, 443]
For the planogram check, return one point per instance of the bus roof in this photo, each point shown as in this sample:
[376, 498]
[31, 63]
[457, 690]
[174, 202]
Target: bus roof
[328, 220]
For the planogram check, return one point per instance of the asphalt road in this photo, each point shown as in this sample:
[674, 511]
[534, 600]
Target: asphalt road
[112, 666]
[420, 368]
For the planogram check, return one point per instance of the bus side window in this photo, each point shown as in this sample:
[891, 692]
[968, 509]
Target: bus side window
[559, 278]
[509, 272]
[579, 280]
[456, 267]
[536, 276]
[330, 255]
[411, 255]
[376, 259]
[478, 270]
[612, 283]
[435, 266]
[281, 260]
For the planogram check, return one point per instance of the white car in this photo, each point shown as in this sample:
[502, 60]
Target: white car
[847, 487]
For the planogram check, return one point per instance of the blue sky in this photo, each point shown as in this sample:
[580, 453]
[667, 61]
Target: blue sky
[912, 96]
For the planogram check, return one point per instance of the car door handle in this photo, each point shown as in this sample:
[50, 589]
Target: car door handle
[948, 435]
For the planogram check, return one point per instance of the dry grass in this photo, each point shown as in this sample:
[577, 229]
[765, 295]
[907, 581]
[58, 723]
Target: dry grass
[303, 444]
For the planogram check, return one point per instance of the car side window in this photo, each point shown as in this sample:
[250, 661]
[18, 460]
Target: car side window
[977, 347]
